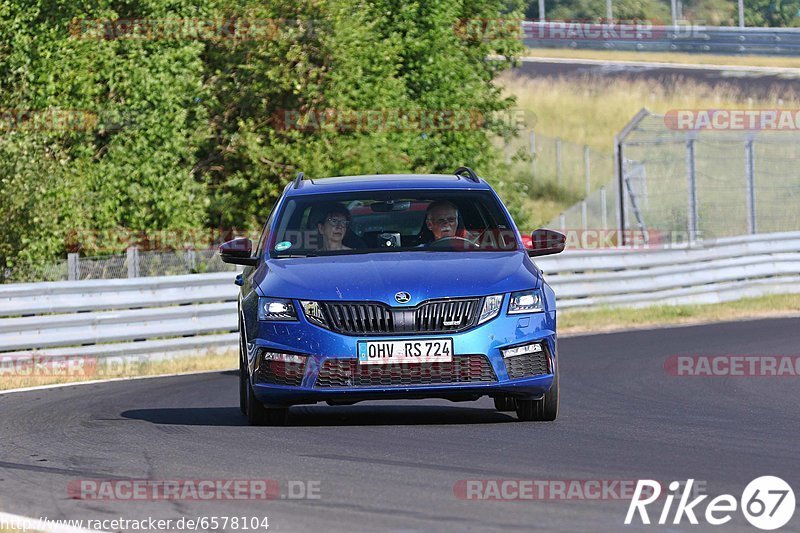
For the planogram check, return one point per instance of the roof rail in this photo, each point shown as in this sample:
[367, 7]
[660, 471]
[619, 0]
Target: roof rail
[469, 174]
[298, 180]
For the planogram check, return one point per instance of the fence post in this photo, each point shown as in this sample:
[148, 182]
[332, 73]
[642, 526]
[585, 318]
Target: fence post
[741, 13]
[750, 174]
[691, 175]
[603, 208]
[562, 221]
[133, 262]
[558, 160]
[587, 170]
[542, 17]
[533, 152]
[619, 172]
[584, 215]
[73, 267]
[191, 259]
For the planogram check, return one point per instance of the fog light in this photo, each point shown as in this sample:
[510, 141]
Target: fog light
[285, 357]
[521, 350]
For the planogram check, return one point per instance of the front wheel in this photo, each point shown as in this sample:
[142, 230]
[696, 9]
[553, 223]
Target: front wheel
[242, 381]
[505, 403]
[258, 415]
[544, 409]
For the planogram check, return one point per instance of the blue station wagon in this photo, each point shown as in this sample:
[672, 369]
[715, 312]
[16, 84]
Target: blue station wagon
[394, 287]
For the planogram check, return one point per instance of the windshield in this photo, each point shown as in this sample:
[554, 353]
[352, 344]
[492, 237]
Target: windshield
[390, 221]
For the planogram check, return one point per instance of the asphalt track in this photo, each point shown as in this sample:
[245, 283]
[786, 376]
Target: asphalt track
[754, 83]
[393, 466]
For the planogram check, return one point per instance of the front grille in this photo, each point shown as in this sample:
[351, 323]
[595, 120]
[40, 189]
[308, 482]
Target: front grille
[527, 365]
[280, 373]
[358, 318]
[348, 373]
[445, 316]
[373, 318]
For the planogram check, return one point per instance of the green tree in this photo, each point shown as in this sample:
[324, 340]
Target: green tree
[126, 158]
[344, 56]
[774, 13]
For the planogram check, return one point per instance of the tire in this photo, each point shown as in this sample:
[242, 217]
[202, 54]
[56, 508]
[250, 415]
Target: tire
[505, 403]
[543, 410]
[242, 380]
[258, 415]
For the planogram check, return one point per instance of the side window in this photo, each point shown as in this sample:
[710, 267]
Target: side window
[262, 242]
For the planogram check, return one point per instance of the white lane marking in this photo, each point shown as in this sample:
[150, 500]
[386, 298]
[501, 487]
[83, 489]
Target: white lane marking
[39, 524]
[659, 64]
[109, 380]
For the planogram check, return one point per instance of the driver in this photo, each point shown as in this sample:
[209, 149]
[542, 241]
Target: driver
[442, 220]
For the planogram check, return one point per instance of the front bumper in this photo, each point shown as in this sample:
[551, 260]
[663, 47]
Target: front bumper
[320, 345]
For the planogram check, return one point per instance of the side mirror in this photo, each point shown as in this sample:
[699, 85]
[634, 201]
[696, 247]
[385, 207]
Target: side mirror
[545, 242]
[238, 252]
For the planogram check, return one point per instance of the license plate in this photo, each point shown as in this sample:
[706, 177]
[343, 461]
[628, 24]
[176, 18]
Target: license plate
[410, 351]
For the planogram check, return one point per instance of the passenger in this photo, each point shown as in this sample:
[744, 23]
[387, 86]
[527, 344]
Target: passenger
[333, 228]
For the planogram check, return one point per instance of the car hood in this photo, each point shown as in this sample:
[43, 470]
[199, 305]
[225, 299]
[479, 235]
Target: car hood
[379, 276]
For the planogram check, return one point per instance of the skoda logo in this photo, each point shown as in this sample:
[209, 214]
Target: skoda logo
[402, 297]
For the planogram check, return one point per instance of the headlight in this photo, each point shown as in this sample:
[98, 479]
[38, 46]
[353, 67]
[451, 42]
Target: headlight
[313, 312]
[276, 309]
[491, 308]
[526, 302]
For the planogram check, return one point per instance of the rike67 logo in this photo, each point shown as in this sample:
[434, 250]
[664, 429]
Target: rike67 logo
[767, 503]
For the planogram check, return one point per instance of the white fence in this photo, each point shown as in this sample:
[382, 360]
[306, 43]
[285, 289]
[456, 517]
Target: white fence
[167, 315]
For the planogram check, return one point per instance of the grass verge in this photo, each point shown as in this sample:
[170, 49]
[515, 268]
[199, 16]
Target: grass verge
[74, 369]
[667, 57]
[624, 318]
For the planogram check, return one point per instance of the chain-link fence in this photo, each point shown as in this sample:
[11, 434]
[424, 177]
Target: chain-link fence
[133, 264]
[598, 211]
[572, 168]
[698, 173]
[709, 175]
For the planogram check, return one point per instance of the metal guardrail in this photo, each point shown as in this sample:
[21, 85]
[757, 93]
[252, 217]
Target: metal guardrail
[119, 316]
[731, 268]
[167, 315]
[680, 38]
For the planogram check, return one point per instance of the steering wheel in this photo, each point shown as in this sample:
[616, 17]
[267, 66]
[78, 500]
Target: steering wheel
[454, 242]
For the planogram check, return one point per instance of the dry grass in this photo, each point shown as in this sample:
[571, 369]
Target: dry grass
[624, 318]
[591, 111]
[88, 369]
[667, 57]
